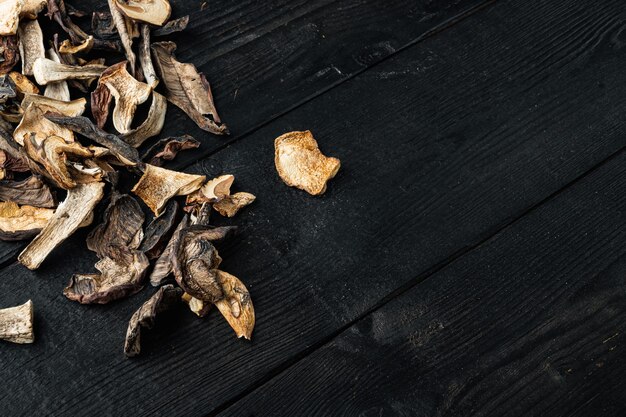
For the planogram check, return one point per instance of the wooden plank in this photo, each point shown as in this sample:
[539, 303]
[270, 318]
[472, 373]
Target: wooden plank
[441, 145]
[263, 58]
[530, 323]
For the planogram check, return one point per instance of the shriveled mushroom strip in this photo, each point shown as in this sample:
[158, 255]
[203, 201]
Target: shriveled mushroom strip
[76, 208]
[31, 191]
[127, 42]
[145, 58]
[166, 149]
[69, 108]
[236, 306]
[157, 185]
[46, 71]
[83, 126]
[31, 44]
[100, 102]
[67, 47]
[163, 266]
[152, 125]
[10, 16]
[176, 25]
[213, 191]
[58, 90]
[128, 94]
[9, 53]
[16, 323]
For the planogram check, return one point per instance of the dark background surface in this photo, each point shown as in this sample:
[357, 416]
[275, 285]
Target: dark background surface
[468, 259]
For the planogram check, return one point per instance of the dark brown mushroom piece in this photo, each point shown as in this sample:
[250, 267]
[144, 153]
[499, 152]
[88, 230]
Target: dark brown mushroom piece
[30, 191]
[187, 89]
[164, 299]
[173, 26]
[166, 149]
[103, 26]
[10, 164]
[159, 231]
[101, 99]
[9, 53]
[163, 266]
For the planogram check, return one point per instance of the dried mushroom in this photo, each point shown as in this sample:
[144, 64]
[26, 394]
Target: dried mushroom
[230, 205]
[70, 214]
[32, 8]
[10, 164]
[122, 29]
[236, 305]
[70, 108]
[22, 84]
[46, 70]
[10, 16]
[152, 125]
[198, 307]
[157, 185]
[301, 164]
[16, 323]
[19, 223]
[173, 26]
[213, 191]
[128, 94]
[33, 123]
[100, 103]
[31, 191]
[31, 44]
[9, 53]
[166, 297]
[159, 231]
[57, 90]
[166, 149]
[187, 89]
[164, 264]
[155, 12]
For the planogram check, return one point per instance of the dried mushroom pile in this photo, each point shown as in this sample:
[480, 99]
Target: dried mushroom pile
[50, 149]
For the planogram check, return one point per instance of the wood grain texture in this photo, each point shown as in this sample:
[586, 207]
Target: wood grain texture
[441, 146]
[531, 323]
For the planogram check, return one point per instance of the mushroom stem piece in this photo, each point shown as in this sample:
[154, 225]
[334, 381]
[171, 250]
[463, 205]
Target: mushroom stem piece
[46, 70]
[16, 323]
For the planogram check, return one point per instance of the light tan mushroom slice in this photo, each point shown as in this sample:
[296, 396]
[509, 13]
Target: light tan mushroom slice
[70, 214]
[301, 164]
[17, 223]
[156, 12]
[22, 84]
[230, 205]
[145, 57]
[236, 306]
[46, 70]
[157, 185]
[32, 8]
[197, 307]
[10, 16]
[31, 44]
[122, 30]
[213, 191]
[16, 323]
[152, 125]
[58, 90]
[67, 47]
[69, 108]
[33, 122]
[127, 92]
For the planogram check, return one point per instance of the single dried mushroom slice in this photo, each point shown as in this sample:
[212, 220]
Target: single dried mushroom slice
[121, 275]
[10, 164]
[152, 125]
[164, 265]
[128, 94]
[68, 217]
[173, 26]
[122, 29]
[58, 90]
[157, 185]
[121, 226]
[213, 191]
[85, 46]
[31, 191]
[159, 231]
[16, 323]
[166, 149]
[236, 306]
[164, 299]
[187, 89]
[301, 164]
[31, 44]
[155, 12]
[230, 205]
[46, 71]
[10, 16]
[22, 84]
[33, 123]
[19, 223]
[100, 103]
[70, 108]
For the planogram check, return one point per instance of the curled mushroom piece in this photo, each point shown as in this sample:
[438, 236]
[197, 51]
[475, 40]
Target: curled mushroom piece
[22, 84]
[166, 149]
[230, 205]
[85, 46]
[46, 70]
[173, 26]
[70, 214]
[31, 191]
[165, 298]
[159, 230]
[100, 103]
[197, 307]
[20, 223]
[58, 90]
[155, 12]
[31, 44]
[301, 164]
[10, 16]
[152, 125]
[128, 94]
[163, 266]
[32, 8]
[33, 123]
[187, 89]
[16, 323]
[157, 185]
[9, 53]
[236, 305]
[70, 108]
[122, 30]
[213, 191]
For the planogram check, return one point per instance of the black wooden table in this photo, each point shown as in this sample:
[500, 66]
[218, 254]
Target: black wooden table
[468, 259]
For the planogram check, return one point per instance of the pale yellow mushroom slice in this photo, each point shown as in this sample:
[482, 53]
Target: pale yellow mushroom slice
[157, 185]
[155, 12]
[34, 123]
[68, 217]
[18, 223]
[69, 108]
[127, 92]
[67, 47]
[236, 306]
[10, 16]
[16, 323]
[230, 205]
[301, 164]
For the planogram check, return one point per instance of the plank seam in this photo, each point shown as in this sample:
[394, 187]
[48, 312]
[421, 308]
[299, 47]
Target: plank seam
[409, 286]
